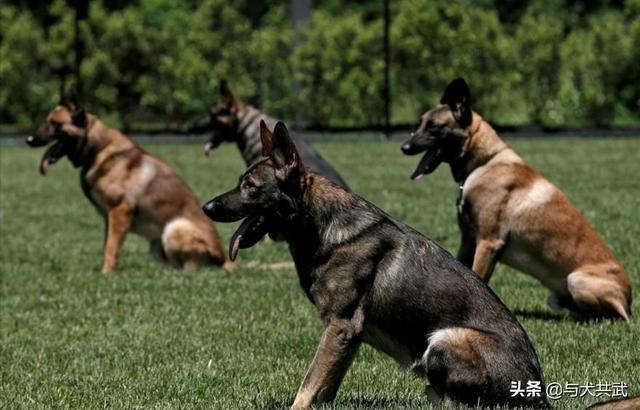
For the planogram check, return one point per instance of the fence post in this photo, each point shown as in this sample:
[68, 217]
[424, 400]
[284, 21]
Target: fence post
[386, 90]
[81, 8]
[300, 13]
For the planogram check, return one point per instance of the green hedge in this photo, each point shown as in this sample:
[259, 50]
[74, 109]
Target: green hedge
[159, 61]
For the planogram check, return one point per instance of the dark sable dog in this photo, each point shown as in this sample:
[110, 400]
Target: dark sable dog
[231, 120]
[376, 280]
[131, 189]
[509, 212]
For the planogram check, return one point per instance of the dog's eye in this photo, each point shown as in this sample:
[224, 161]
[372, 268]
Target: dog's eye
[55, 124]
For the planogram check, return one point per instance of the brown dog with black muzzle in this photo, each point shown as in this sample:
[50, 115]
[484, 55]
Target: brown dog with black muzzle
[131, 189]
[507, 211]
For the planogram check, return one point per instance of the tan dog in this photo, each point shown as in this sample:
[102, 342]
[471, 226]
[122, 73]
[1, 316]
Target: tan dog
[131, 189]
[507, 211]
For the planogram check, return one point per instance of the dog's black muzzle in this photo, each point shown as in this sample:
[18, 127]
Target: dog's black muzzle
[434, 153]
[214, 141]
[40, 138]
[224, 208]
[417, 144]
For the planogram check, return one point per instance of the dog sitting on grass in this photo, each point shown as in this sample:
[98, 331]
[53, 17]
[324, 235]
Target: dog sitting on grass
[231, 120]
[376, 280]
[508, 212]
[130, 188]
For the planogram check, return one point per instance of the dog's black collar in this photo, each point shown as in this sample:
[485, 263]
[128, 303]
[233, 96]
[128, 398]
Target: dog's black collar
[460, 200]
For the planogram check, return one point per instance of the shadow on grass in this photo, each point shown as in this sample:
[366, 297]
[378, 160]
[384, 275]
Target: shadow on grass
[541, 315]
[560, 317]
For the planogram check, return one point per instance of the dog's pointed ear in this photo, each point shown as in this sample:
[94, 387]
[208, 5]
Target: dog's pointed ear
[267, 139]
[66, 99]
[79, 117]
[458, 97]
[78, 113]
[74, 97]
[284, 153]
[225, 90]
[63, 96]
[227, 95]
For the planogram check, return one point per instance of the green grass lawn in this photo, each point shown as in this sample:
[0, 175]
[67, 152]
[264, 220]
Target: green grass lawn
[147, 336]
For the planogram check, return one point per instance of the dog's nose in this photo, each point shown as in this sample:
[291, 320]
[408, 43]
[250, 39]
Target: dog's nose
[209, 208]
[36, 141]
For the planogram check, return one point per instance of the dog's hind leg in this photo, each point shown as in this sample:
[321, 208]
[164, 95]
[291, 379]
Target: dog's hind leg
[598, 296]
[177, 243]
[437, 400]
[156, 250]
[203, 257]
[185, 259]
[187, 247]
[560, 303]
[454, 366]
[475, 368]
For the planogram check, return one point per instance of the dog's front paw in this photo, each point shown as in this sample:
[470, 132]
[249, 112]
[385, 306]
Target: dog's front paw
[301, 402]
[108, 266]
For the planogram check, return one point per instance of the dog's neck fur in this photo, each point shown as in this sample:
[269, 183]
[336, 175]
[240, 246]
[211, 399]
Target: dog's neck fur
[325, 219]
[482, 144]
[248, 133]
[97, 141]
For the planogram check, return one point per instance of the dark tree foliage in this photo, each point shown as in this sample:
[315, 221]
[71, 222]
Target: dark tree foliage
[548, 62]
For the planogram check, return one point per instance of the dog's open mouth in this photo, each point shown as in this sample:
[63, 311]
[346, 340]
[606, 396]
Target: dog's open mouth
[250, 231]
[51, 156]
[429, 162]
[214, 141]
[210, 146]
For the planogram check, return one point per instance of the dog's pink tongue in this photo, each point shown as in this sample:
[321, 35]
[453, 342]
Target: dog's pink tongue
[207, 148]
[50, 156]
[234, 247]
[419, 171]
[427, 164]
[44, 165]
